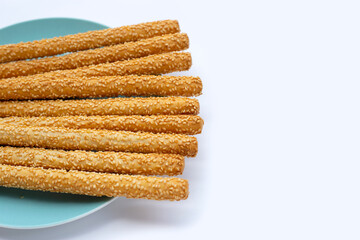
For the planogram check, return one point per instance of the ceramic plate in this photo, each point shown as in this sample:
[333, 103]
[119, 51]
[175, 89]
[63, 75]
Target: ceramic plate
[23, 209]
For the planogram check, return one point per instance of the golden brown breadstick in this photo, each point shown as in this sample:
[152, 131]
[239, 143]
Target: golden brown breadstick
[150, 65]
[87, 40]
[110, 106]
[108, 162]
[107, 86]
[142, 48]
[93, 184]
[98, 140]
[181, 124]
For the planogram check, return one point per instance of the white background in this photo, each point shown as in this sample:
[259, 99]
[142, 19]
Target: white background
[279, 155]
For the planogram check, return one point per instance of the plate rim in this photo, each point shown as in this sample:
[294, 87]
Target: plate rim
[61, 222]
[54, 224]
[53, 18]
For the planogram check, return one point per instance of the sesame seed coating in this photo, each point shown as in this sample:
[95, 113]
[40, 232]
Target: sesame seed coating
[106, 86]
[180, 124]
[94, 184]
[150, 65]
[57, 135]
[110, 162]
[98, 140]
[87, 40]
[110, 106]
[120, 52]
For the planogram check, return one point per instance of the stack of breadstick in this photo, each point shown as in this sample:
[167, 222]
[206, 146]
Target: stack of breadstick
[100, 120]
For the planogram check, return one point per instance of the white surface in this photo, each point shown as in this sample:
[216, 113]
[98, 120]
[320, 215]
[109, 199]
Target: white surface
[279, 156]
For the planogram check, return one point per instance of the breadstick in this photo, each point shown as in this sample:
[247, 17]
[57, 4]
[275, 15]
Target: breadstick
[98, 140]
[87, 40]
[93, 184]
[142, 48]
[181, 124]
[110, 106]
[108, 162]
[107, 86]
[150, 65]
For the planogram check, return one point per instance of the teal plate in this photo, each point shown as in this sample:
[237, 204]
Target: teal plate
[22, 209]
